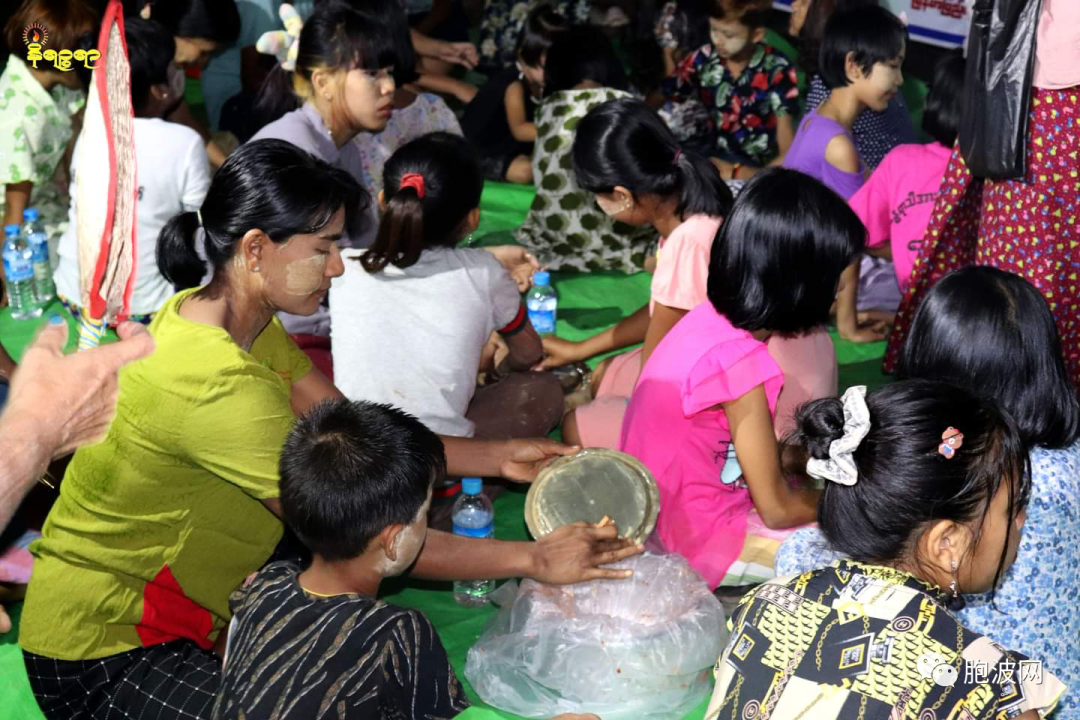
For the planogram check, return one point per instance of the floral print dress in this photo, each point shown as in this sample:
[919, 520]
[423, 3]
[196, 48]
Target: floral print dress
[565, 229]
[688, 119]
[744, 110]
[502, 22]
[35, 128]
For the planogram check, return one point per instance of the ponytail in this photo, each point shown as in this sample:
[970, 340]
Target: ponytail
[430, 186]
[400, 240]
[276, 96]
[177, 257]
[703, 190]
[623, 142]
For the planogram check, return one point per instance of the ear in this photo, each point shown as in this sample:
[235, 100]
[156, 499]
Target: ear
[382, 200]
[388, 540]
[472, 220]
[160, 91]
[253, 247]
[944, 543]
[622, 193]
[321, 80]
[852, 69]
[757, 35]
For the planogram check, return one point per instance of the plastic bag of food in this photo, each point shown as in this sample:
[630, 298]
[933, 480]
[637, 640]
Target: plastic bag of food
[638, 648]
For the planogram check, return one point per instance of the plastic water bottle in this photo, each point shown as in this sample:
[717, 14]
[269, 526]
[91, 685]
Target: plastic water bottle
[19, 274]
[37, 240]
[542, 302]
[473, 516]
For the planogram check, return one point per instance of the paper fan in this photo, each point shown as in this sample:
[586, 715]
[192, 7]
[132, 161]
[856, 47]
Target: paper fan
[105, 189]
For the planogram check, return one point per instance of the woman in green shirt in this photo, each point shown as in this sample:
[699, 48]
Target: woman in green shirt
[156, 525]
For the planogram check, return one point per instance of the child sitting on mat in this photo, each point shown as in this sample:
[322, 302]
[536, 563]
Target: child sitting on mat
[411, 315]
[926, 487]
[861, 56]
[499, 120]
[174, 172]
[897, 199]
[39, 104]
[747, 87]
[356, 482]
[701, 416]
[625, 154]
[564, 228]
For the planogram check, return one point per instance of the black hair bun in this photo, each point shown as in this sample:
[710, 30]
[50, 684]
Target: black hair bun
[818, 423]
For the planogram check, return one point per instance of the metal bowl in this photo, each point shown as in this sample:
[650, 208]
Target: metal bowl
[593, 484]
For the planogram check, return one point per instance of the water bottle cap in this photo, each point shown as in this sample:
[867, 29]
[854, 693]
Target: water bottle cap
[472, 485]
[31, 214]
[541, 277]
[10, 230]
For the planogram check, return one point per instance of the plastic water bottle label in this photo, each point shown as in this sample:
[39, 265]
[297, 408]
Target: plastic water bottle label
[488, 531]
[543, 321]
[39, 244]
[18, 267]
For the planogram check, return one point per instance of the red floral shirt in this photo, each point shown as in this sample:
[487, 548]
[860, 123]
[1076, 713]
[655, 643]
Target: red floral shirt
[743, 110]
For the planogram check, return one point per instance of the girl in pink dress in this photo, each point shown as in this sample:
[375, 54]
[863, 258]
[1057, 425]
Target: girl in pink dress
[706, 397]
[626, 155]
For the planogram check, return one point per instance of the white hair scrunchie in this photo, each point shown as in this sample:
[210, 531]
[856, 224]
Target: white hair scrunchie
[840, 467]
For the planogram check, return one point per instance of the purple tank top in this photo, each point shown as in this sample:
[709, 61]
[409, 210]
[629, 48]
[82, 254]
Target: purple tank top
[807, 154]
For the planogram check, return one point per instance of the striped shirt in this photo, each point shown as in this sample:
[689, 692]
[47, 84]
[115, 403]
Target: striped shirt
[292, 654]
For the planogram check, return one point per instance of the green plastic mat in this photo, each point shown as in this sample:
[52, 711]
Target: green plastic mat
[588, 303]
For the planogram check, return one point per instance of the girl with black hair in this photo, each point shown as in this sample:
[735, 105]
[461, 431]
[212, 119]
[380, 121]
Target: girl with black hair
[173, 176]
[625, 154]
[340, 83]
[499, 121]
[876, 132]
[926, 488]
[436, 305]
[992, 333]
[200, 28]
[564, 227]
[861, 56]
[896, 201]
[157, 524]
[701, 416]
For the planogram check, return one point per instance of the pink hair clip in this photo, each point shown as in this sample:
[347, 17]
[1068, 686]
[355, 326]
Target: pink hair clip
[951, 441]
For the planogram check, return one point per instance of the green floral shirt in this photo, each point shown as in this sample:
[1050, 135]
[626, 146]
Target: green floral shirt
[35, 127]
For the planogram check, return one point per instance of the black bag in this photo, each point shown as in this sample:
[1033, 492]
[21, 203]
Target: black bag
[997, 87]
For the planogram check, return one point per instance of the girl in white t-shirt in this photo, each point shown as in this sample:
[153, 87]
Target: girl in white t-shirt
[411, 316]
[173, 169]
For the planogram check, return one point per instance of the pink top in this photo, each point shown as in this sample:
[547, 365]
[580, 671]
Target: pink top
[671, 426]
[896, 202]
[682, 264]
[1057, 45]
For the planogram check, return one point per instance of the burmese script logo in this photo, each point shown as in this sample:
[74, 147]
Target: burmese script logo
[36, 37]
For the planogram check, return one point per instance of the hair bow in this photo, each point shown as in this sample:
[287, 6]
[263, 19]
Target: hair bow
[840, 467]
[284, 44]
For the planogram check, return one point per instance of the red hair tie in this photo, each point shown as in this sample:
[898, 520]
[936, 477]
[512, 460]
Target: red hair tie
[415, 181]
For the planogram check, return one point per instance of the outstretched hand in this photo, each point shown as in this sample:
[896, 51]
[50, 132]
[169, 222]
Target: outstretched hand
[559, 352]
[524, 458]
[519, 262]
[576, 553]
[69, 400]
